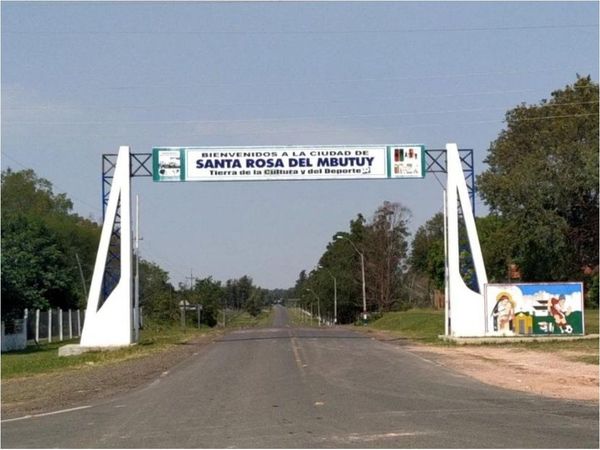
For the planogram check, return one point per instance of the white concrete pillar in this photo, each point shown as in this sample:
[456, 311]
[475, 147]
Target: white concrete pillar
[49, 324]
[37, 325]
[60, 325]
[111, 325]
[466, 307]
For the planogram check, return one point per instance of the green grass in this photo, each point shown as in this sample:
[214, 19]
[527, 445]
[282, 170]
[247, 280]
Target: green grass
[241, 319]
[299, 319]
[425, 325]
[418, 324]
[587, 359]
[44, 358]
[153, 338]
[591, 321]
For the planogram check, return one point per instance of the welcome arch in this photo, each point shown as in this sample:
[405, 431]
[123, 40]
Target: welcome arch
[109, 316]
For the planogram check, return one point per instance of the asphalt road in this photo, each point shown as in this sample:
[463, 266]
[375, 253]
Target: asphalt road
[307, 387]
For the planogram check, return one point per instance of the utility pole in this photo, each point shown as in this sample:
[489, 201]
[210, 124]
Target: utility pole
[136, 300]
[334, 293]
[362, 269]
[81, 275]
[191, 278]
[318, 304]
[185, 303]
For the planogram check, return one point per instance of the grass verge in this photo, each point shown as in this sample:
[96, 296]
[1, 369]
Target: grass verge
[44, 358]
[417, 324]
[241, 319]
[591, 321]
[299, 319]
[424, 325]
[154, 338]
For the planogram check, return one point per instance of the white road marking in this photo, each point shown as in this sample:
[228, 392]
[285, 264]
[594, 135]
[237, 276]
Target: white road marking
[32, 416]
[154, 383]
[367, 437]
[297, 355]
[374, 437]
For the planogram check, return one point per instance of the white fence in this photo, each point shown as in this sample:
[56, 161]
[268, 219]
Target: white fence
[16, 338]
[42, 326]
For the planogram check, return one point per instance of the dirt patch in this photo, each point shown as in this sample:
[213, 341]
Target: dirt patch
[42, 393]
[551, 374]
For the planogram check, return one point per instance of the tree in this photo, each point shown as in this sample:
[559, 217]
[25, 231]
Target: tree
[210, 294]
[342, 260]
[383, 242]
[497, 246]
[24, 192]
[300, 284]
[427, 254]
[33, 268]
[41, 241]
[156, 293]
[238, 291]
[273, 296]
[255, 302]
[385, 254]
[543, 181]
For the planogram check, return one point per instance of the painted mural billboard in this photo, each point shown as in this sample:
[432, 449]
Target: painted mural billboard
[534, 309]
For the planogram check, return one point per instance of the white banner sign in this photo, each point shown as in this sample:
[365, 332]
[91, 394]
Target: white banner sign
[288, 163]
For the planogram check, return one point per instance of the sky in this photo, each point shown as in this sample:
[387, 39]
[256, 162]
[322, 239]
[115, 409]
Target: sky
[79, 79]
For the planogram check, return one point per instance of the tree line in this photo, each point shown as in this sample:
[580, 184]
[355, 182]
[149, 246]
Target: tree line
[380, 246]
[48, 255]
[45, 246]
[541, 187]
[162, 302]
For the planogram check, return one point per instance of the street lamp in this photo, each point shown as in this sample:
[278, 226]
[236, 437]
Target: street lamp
[334, 293]
[318, 304]
[362, 268]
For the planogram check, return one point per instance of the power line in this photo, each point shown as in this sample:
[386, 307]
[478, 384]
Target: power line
[312, 129]
[557, 117]
[281, 119]
[274, 103]
[174, 269]
[419, 77]
[150, 253]
[83, 202]
[311, 32]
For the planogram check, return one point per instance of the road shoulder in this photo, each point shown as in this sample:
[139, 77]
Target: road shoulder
[550, 374]
[73, 387]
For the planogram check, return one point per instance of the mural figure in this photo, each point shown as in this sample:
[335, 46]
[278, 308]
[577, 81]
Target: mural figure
[556, 307]
[503, 313]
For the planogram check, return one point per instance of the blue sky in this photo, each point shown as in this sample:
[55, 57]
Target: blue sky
[553, 288]
[80, 79]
